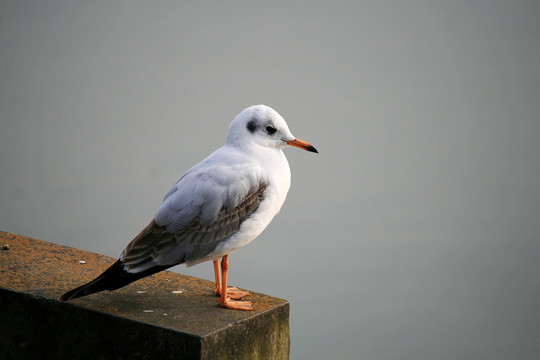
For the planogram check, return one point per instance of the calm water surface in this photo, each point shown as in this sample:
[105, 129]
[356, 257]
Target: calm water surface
[414, 234]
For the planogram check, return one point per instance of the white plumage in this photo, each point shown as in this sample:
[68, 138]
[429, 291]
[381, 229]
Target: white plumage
[216, 207]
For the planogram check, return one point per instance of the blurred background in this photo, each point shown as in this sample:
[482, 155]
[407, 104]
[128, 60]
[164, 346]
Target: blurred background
[414, 234]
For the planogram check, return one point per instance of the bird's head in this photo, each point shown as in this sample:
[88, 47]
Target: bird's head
[262, 125]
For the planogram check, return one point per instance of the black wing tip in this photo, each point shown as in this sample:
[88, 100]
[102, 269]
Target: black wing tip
[81, 291]
[68, 296]
[106, 281]
[111, 279]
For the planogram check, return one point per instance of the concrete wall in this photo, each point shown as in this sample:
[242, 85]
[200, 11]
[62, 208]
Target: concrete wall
[164, 316]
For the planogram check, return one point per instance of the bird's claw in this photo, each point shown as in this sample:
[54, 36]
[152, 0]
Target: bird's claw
[233, 293]
[236, 304]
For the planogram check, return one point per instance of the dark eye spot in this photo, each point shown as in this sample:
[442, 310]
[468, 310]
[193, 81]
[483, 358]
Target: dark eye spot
[270, 129]
[251, 126]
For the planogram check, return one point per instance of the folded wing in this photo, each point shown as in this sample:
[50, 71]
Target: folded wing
[198, 214]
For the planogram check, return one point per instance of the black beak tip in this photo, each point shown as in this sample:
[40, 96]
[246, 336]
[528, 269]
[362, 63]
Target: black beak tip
[312, 149]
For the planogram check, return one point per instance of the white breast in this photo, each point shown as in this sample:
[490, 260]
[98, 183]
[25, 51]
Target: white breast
[277, 175]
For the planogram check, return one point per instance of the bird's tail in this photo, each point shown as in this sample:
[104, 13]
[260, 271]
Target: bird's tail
[113, 278]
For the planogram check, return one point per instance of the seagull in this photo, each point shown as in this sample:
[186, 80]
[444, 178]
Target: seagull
[218, 206]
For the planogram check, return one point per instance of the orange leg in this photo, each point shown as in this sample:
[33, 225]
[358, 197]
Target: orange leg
[232, 292]
[217, 289]
[224, 300]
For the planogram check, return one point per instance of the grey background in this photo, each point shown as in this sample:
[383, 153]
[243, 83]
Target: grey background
[414, 234]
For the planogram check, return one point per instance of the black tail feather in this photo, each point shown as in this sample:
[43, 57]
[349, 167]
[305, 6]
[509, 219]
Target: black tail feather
[113, 278]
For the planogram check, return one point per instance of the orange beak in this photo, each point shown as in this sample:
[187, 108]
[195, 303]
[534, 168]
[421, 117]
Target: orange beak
[301, 144]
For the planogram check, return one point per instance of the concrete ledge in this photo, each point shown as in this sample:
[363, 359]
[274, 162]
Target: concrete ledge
[164, 316]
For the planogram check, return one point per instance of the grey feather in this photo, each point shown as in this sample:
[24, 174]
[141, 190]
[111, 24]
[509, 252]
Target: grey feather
[156, 245]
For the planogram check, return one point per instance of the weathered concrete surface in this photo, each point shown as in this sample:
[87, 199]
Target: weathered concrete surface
[164, 316]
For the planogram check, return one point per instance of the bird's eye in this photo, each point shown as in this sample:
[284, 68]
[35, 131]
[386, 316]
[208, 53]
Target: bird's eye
[270, 129]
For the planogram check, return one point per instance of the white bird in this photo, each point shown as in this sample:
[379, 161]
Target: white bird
[219, 205]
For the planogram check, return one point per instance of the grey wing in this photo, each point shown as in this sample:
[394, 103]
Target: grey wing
[159, 246]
